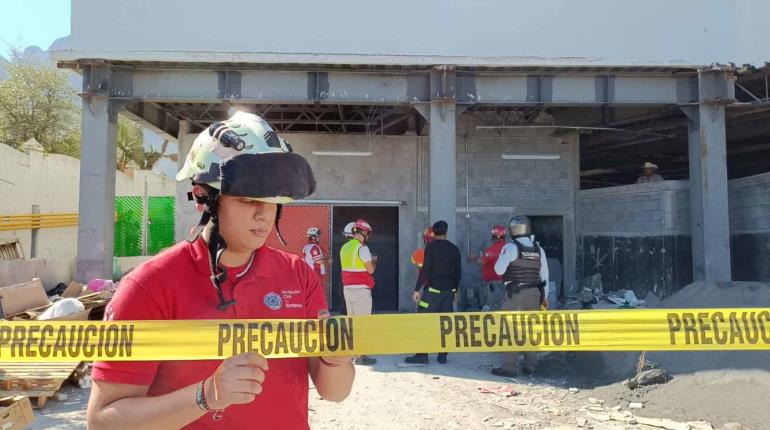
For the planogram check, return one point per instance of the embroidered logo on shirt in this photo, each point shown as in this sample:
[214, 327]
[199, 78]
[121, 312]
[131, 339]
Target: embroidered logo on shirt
[273, 301]
[288, 295]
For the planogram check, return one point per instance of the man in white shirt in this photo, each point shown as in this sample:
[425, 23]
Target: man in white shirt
[523, 266]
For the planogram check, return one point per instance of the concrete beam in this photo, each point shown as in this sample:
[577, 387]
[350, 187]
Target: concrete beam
[97, 181]
[580, 90]
[708, 179]
[402, 87]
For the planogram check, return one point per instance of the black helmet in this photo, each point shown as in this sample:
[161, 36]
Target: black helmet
[519, 226]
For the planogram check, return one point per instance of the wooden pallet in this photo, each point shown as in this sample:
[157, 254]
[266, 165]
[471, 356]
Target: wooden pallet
[39, 381]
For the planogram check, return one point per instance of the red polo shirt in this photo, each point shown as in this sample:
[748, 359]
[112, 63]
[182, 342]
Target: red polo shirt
[491, 254]
[175, 285]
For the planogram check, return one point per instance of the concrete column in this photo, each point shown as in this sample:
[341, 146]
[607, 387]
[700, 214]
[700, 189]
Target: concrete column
[708, 178]
[185, 214]
[442, 161]
[442, 150]
[96, 226]
[569, 223]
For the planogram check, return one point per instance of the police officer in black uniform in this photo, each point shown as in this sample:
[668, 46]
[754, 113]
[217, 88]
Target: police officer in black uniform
[524, 269]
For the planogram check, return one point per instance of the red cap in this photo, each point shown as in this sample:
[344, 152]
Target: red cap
[361, 224]
[498, 231]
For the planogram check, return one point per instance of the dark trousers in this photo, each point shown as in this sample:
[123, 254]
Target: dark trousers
[435, 301]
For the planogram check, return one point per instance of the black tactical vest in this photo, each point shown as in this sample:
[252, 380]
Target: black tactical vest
[525, 270]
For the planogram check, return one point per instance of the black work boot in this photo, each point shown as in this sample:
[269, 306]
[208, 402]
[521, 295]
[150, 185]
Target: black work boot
[365, 360]
[505, 373]
[417, 359]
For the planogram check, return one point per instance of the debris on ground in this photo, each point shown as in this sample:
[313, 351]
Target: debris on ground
[647, 377]
[41, 381]
[15, 413]
[502, 391]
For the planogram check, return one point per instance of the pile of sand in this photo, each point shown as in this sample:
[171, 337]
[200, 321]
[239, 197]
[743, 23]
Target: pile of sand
[715, 295]
[716, 386]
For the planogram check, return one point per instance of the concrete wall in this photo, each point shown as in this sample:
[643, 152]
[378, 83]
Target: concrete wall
[498, 188]
[51, 181]
[750, 227]
[636, 236]
[51, 271]
[653, 208]
[600, 31]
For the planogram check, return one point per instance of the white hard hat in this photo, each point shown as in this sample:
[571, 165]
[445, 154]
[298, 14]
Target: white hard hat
[314, 231]
[348, 230]
[649, 165]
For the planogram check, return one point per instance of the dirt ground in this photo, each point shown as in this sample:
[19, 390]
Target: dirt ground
[388, 396]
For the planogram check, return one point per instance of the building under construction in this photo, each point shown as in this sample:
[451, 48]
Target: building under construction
[410, 112]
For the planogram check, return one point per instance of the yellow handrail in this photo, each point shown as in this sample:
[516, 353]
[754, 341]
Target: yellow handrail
[31, 221]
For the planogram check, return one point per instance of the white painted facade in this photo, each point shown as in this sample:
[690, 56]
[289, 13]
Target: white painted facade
[483, 32]
[51, 181]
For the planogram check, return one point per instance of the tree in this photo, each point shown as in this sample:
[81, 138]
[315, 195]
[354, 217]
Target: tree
[37, 101]
[130, 145]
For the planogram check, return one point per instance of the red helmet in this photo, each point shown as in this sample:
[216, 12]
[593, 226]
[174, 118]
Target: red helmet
[362, 225]
[498, 231]
[428, 235]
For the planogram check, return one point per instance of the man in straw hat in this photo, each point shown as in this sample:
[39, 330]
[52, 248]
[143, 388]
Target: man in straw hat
[649, 174]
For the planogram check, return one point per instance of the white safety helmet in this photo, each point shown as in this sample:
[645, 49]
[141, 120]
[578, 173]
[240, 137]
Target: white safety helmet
[313, 232]
[348, 230]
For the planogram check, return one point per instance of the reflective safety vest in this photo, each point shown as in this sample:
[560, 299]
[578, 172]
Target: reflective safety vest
[353, 268]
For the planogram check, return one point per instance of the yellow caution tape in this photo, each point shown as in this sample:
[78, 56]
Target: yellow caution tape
[595, 330]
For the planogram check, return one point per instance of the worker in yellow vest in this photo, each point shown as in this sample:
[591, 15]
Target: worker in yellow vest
[358, 265]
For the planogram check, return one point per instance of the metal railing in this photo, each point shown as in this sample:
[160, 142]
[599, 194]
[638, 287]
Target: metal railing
[36, 221]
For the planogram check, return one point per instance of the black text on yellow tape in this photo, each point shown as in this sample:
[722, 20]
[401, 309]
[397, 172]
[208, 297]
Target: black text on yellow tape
[750, 327]
[308, 337]
[501, 330]
[597, 330]
[66, 340]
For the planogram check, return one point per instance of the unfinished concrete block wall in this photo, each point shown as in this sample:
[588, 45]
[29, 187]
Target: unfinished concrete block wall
[636, 236]
[496, 188]
[750, 227]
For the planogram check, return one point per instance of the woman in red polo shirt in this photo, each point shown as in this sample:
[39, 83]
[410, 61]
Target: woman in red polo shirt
[242, 173]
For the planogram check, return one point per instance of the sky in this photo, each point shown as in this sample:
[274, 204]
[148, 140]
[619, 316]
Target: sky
[32, 22]
[40, 22]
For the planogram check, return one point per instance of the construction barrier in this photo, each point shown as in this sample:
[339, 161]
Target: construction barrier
[595, 330]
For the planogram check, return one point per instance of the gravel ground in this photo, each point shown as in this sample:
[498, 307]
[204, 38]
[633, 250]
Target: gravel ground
[389, 396]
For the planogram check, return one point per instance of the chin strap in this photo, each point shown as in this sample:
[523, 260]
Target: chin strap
[278, 215]
[216, 245]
